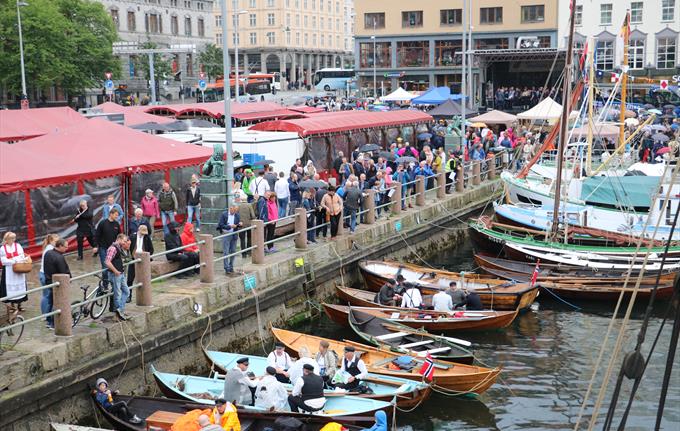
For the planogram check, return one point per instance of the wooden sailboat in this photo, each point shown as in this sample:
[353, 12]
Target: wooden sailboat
[495, 294]
[455, 378]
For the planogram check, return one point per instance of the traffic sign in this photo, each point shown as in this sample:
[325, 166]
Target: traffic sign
[664, 84]
[201, 75]
[202, 85]
[394, 74]
[108, 75]
[108, 85]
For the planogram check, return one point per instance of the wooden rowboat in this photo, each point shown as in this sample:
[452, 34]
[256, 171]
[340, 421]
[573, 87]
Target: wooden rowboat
[494, 293]
[407, 393]
[404, 339]
[145, 407]
[458, 379]
[431, 321]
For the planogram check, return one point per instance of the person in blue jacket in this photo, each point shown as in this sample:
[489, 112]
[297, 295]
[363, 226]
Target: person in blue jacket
[380, 422]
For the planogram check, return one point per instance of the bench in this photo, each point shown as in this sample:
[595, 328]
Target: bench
[416, 344]
[391, 336]
[162, 266]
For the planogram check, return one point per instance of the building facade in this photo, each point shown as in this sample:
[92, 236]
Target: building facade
[293, 37]
[654, 39]
[184, 25]
[417, 45]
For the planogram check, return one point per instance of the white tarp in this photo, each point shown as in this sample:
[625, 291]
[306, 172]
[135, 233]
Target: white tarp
[547, 109]
[398, 95]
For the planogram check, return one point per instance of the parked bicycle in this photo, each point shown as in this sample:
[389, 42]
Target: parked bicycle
[10, 337]
[93, 309]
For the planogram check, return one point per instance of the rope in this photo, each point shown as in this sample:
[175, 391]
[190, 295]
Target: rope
[208, 330]
[259, 319]
[414, 251]
[575, 307]
[141, 348]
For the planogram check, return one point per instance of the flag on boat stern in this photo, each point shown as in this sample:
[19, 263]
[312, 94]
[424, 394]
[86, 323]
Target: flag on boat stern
[427, 370]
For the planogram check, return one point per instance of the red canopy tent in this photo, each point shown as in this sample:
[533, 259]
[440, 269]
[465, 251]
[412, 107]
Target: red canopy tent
[42, 180]
[246, 112]
[21, 124]
[132, 114]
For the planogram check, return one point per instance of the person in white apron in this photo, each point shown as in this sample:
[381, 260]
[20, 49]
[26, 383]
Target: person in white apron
[11, 283]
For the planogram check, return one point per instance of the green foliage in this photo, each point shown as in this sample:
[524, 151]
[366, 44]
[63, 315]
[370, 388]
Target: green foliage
[66, 43]
[211, 58]
[162, 67]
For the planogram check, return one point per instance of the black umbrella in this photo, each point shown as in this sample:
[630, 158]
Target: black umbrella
[150, 126]
[387, 155]
[312, 184]
[177, 126]
[407, 159]
[669, 106]
[370, 147]
[263, 162]
[197, 122]
[648, 106]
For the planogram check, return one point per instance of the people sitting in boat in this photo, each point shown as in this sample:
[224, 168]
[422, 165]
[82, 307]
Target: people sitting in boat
[204, 423]
[327, 360]
[411, 297]
[238, 386]
[456, 293]
[270, 393]
[380, 422]
[441, 301]
[353, 367]
[400, 285]
[295, 370]
[387, 294]
[224, 414]
[280, 360]
[307, 394]
[104, 397]
[472, 300]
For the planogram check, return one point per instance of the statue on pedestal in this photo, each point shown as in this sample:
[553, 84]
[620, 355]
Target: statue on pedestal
[214, 167]
[454, 126]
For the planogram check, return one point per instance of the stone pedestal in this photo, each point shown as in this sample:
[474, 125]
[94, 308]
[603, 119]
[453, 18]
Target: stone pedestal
[213, 204]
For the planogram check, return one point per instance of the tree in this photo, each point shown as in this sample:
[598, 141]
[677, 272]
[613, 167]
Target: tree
[67, 43]
[162, 67]
[211, 58]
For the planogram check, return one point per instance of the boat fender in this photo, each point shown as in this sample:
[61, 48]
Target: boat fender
[633, 365]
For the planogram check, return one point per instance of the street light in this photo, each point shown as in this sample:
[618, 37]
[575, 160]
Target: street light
[229, 168]
[24, 93]
[236, 42]
[375, 91]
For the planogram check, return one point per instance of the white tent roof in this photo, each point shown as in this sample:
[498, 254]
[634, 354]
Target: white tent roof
[547, 109]
[494, 117]
[398, 95]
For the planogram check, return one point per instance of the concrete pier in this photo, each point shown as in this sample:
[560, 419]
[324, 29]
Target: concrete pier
[48, 379]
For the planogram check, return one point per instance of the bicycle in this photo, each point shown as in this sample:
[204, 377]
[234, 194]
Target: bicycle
[93, 309]
[10, 337]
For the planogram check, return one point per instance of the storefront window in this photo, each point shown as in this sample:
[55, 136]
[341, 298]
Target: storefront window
[444, 52]
[415, 82]
[413, 54]
[383, 57]
[497, 43]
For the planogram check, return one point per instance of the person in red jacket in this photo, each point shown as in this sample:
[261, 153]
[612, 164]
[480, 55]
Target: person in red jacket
[150, 209]
[188, 238]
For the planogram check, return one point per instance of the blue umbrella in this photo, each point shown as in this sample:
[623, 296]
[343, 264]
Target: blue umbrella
[424, 136]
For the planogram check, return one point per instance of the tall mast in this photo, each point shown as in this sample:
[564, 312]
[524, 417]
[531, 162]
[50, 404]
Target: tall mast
[624, 74]
[564, 123]
[591, 90]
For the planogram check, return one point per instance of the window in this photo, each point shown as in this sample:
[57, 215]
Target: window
[253, 38]
[270, 19]
[604, 53]
[235, 39]
[201, 27]
[271, 38]
[297, 38]
[534, 13]
[412, 18]
[321, 5]
[218, 38]
[667, 10]
[314, 21]
[190, 65]
[413, 53]
[218, 20]
[253, 3]
[578, 15]
[152, 23]
[321, 23]
[297, 20]
[174, 25]
[492, 43]
[337, 24]
[636, 54]
[445, 50]
[313, 4]
[665, 53]
[306, 4]
[187, 4]
[252, 20]
[323, 40]
[374, 18]
[450, 16]
[270, 3]
[337, 6]
[491, 15]
[287, 3]
[306, 21]
[306, 39]
[606, 14]
[297, 4]
[636, 12]
[544, 41]
[173, 3]
[288, 37]
[131, 21]
[187, 26]
[314, 39]
[115, 18]
[287, 20]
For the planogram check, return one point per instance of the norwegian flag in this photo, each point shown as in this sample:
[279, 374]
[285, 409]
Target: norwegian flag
[427, 370]
[534, 276]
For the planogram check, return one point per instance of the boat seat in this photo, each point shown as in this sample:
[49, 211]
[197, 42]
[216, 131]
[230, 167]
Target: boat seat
[416, 344]
[438, 350]
[391, 336]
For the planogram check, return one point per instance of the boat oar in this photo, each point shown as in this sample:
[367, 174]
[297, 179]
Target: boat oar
[451, 339]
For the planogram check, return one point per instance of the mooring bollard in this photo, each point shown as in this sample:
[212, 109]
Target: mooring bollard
[441, 185]
[395, 199]
[206, 257]
[301, 228]
[143, 275]
[369, 206]
[420, 190]
[63, 322]
[460, 179]
[492, 167]
[476, 171]
[257, 241]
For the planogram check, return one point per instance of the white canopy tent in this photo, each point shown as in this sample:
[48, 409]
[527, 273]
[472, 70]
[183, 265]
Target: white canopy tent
[547, 110]
[398, 95]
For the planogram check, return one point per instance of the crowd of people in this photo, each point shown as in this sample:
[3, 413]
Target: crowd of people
[510, 98]
[397, 292]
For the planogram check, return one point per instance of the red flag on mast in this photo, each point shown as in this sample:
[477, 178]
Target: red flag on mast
[534, 276]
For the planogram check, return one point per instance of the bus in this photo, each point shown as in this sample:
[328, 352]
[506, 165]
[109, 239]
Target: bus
[274, 78]
[215, 91]
[334, 79]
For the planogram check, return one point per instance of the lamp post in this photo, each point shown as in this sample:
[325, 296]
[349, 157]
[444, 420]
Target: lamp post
[229, 171]
[236, 42]
[24, 93]
[375, 89]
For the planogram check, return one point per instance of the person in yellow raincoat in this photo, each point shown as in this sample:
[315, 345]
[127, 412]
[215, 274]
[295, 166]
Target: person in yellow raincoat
[224, 415]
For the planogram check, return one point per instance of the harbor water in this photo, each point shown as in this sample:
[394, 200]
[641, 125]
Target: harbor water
[548, 355]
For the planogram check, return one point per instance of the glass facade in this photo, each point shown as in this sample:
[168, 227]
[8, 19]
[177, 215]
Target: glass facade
[383, 54]
[413, 53]
[444, 52]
